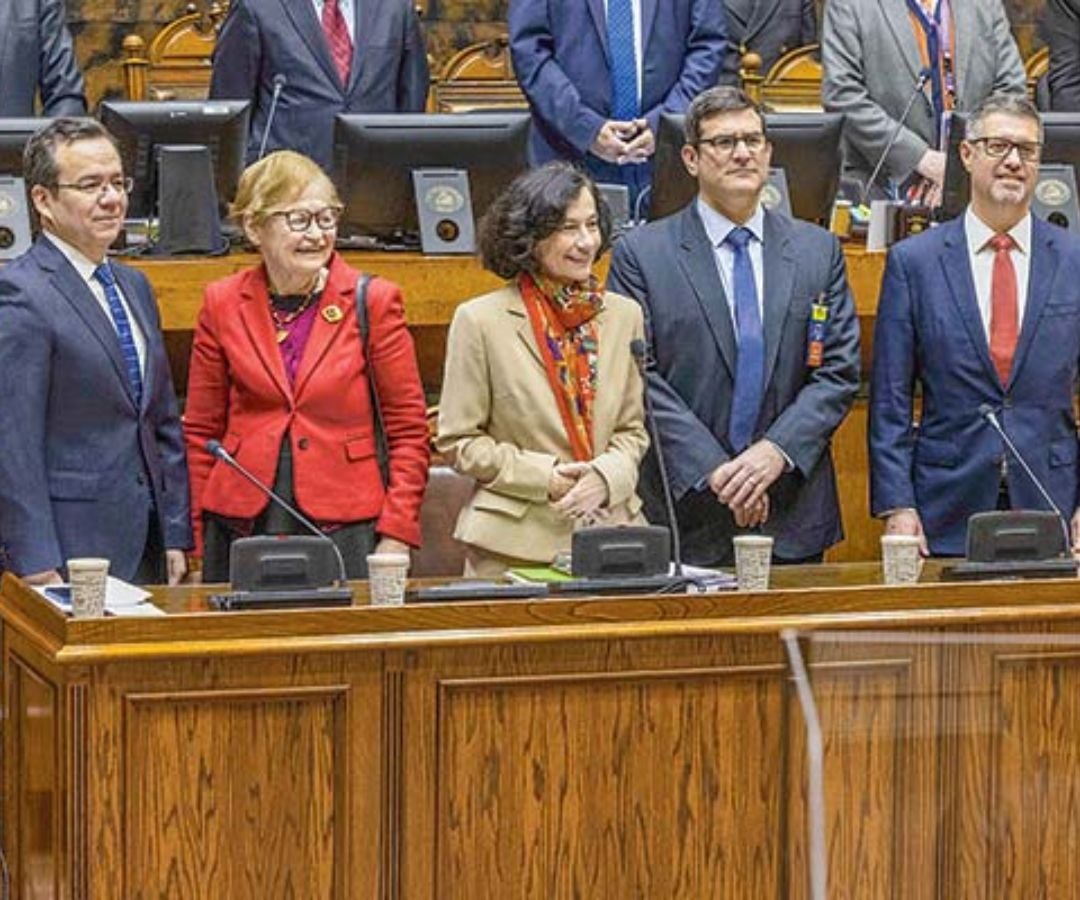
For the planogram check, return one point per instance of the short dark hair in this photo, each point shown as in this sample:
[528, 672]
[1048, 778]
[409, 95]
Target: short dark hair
[720, 99]
[531, 209]
[39, 157]
[1011, 104]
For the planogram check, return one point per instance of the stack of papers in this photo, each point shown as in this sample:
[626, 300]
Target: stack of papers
[121, 598]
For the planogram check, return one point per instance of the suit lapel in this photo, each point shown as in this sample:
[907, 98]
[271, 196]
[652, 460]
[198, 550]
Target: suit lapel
[956, 269]
[760, 14]
[77, 293]
[260, 329]
[648, 16]
[515, 310]
[325, 332]
[363, 11]
[599, 15]
[898, 19]
[964, 27]
[302, 14]
[698, 261]
[778, 262]
[1041, 275]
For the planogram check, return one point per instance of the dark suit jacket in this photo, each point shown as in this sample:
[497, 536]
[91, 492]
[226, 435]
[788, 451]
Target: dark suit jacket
[768, 27]
[559, 49]
[1061, 31]
[238, 393]
[81, 467]
[669, 266]
[929, 332]
[263, 38]
[37, 59]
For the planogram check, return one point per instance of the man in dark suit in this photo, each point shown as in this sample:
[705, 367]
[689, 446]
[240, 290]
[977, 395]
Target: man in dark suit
[756, 347]
[91, 451]
[1061, 31]
[37, 60]
[984, 309]
[769, 28]
[330, 57]
[598, 73]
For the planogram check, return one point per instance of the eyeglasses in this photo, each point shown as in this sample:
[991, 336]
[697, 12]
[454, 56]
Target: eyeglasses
[725, 144]
[100, 186]
[300, 220]
[999, 148]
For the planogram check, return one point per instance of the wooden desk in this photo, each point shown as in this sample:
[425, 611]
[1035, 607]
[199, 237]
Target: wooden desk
[605, 748]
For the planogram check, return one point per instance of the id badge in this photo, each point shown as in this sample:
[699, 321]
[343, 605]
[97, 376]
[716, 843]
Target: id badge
[815, 334]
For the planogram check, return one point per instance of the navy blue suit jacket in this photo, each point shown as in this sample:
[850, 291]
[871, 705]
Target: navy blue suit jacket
[670, 268]
[37, 59]
[929, 332]
[263, 38]
[560, 56]
[81, 467]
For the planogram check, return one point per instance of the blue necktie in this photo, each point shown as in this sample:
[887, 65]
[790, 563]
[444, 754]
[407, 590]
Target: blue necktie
[620, 33]
[103, 275]
[750, 365]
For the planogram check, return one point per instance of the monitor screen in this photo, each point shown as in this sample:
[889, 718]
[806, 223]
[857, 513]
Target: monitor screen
[375, 155]
[141, 127]
[805, 145]
[1061, 144]
[14, 133]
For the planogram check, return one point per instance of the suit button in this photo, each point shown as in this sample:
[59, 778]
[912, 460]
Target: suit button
[302, 443]
[140, 480]
[1007, 403]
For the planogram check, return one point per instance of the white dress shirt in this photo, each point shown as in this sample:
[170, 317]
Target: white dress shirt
[86, 268]
[982, 263]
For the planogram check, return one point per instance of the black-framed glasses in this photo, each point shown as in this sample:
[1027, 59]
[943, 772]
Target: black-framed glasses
[100, 186]
[300, 220]
[999, 148]
[726, 143]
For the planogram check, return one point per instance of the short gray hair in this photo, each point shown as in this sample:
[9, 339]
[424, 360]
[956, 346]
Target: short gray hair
[39, 157]
[1007, 103]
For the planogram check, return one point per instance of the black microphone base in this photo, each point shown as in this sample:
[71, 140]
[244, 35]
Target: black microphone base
[296, 598]
[1010, 570]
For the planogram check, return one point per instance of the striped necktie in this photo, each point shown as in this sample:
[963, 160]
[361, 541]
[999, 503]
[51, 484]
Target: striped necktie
[337, 36]
[103, 275]
[620, 33]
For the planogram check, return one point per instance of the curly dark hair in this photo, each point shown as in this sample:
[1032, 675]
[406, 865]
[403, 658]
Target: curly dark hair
[531, 209]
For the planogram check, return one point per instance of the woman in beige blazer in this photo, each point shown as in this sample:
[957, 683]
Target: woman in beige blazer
[542, 403]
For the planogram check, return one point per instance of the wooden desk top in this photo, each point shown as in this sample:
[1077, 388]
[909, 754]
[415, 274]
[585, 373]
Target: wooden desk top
[433, 285]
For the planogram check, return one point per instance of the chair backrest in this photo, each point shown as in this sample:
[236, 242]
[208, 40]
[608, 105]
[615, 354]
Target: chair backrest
[480, 76]
[793, 84]
[440, 553]
[176, 65]
[1036, 68]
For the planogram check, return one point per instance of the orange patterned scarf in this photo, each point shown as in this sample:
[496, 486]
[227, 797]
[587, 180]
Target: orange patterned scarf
[562, 319]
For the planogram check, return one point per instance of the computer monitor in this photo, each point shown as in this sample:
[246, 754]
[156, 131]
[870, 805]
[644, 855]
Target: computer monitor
[1061, 144]
[375, 155]
[805, 145]
[141, 127]
[14, 134]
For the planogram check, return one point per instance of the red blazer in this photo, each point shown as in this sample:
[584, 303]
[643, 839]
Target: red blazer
[239, 394]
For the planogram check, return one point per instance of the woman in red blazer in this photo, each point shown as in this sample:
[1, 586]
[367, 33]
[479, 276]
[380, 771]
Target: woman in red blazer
[279, 377]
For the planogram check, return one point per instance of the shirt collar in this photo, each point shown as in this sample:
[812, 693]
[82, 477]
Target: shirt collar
[718, 226]
[978, 233]
[82, 265]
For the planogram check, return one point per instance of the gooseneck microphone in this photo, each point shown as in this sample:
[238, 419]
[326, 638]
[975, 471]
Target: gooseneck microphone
[987, 412]
[920, 83]
[639, 350]
[279, 83]
[215, 449]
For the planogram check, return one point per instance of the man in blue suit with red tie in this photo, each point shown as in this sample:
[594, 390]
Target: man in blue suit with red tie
[91, 451]
[598, 73]
[984, 309]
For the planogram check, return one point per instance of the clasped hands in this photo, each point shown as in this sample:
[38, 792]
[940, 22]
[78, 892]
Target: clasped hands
[742, 483]
[578, 491]
[622, 142]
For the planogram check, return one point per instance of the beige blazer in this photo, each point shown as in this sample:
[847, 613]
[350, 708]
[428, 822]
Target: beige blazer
[499, 423]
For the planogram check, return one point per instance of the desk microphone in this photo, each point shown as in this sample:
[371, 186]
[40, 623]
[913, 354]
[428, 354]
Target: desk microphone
[638, 349]
[279, 82]
[215, 449]
[920, 83]
[987, 412]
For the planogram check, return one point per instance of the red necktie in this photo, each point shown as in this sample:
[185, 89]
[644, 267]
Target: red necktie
[337, 36]
[1004, 308]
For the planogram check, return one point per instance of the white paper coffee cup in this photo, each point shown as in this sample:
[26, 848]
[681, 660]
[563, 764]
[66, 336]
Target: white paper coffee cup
[88, 577]
[900, 559]
[387, 575]
[753, 558]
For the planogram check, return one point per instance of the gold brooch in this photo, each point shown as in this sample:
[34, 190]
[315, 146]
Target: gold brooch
[332, 314]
